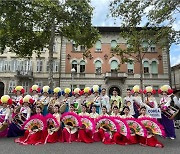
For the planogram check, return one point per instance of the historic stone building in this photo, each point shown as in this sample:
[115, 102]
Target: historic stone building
[99, 68]
[175, 74]
[102, 69]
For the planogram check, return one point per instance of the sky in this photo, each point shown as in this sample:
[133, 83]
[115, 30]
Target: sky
[100, 18]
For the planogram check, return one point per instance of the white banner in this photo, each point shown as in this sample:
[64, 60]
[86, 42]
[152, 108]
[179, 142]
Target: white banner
[154, 112]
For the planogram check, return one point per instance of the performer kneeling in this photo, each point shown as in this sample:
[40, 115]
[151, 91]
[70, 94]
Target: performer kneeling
[70, 131]
[150, 140]
[85, 133]
[53, 126]
[15, 128]
[34, 126]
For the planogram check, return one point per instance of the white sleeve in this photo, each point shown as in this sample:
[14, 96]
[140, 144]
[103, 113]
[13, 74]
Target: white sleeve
[175, 99]
[97, 102]
[155, 103]
[108, 104]
[7, 114]
[28, 114]
[168, 102]
[45, 102]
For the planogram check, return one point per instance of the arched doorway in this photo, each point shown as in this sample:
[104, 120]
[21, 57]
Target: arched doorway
[117, 89]
[1, 89]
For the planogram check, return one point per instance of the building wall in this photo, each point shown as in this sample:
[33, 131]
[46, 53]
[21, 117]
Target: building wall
[175, 74]
[66, 55]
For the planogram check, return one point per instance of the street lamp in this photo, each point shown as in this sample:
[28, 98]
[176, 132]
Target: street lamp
[73, 71]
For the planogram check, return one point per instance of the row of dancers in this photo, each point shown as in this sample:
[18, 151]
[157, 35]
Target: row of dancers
[17, 110]
[71, 127]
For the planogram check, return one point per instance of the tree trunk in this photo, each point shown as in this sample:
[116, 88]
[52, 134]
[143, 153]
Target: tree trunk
[141, 74]
[51, 44]
[60, 61]
[169, 66]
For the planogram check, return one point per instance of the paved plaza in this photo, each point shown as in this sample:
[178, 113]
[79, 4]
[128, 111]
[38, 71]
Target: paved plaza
[7, 146]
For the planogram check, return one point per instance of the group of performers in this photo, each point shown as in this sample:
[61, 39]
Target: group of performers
[87, 115]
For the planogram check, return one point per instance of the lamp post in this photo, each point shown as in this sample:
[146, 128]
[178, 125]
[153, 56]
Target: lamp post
[73, 71]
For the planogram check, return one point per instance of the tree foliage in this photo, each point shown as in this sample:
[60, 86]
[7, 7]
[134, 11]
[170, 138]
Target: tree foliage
[26, 25]
[142, 23]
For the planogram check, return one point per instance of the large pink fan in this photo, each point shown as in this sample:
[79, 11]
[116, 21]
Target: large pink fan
[88, 123]
[109, 122]
[137, 126]
[50, 117]
[154, 125]
[124, 128]
[73, 118]
[35, 121]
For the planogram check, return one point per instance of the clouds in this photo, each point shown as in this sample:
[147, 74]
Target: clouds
[101, 12]
[100, 19]
[175, 54]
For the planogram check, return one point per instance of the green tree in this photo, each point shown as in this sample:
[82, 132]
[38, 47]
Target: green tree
[138, 31]
[27, 26]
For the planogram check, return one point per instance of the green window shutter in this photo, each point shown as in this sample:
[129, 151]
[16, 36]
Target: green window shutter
[130, 65]
[98, 64]
[98, 45]
[154, 67]
[74, 62]
[114, 65]
[82, 62]
[146, 64]
[113, 43]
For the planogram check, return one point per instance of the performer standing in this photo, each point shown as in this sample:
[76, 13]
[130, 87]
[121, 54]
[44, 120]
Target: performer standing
[4, 114]
[128, 100]
[177, 105]
[19, 91]
[34, 90]
[150, 100]
[97, 100]
[118, 99]
[66, 100]
[77, 99]
[44, 99]
[104, 98]
[164, 104]
[87, 99]
[135, 107]
[54, 100]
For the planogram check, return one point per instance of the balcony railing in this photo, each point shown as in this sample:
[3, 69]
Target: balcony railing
[24, 74]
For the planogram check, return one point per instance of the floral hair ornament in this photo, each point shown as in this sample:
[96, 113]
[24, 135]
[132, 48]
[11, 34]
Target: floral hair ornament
[57, 90]
[19, 88]
[149, 89]
[67, 91]
[96, 88]
[136, 89]
[46, 89]
[5, 99]
[77, 91]
[165, 88]
[87, 90]
[35, 88]
[27, 99]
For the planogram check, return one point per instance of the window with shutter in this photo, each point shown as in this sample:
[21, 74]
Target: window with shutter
[98, 45]
[154, 67]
